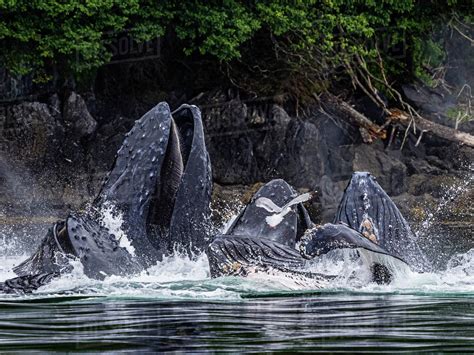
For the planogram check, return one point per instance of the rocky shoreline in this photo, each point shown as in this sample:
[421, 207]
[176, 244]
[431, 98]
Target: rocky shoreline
[55, 154]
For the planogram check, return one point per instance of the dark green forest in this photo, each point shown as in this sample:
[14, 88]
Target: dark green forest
[301, 47]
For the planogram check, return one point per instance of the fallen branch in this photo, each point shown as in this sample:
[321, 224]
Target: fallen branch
[438, 130]
[370, 130]
[343, 109]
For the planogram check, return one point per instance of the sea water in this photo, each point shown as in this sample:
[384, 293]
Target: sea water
[175, 305]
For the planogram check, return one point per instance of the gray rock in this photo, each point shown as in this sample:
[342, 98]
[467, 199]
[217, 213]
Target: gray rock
[77, 116]
[436, 103]
[249, 143]
[29, 133]
[421, 166]
[391, 173]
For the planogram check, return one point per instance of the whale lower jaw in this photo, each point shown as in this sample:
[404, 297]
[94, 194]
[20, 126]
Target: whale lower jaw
[263, 260]
[273, 263]
[287, 279]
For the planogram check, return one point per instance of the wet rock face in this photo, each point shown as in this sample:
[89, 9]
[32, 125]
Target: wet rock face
[28, 132]
[44, 157]
[319, 152]
[77, 116]
[390, 171]
[439, 104]
[70, 149]
[260, 143]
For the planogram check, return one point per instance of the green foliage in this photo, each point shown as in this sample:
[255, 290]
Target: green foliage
[459, 113]
[311, 36]
[428, 55]
[68, 34]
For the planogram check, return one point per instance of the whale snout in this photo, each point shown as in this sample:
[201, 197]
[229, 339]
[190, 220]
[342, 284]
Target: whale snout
[362, 176]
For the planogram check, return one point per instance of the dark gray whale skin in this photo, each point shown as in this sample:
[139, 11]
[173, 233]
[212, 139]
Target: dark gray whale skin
[251, 244]
[322, 239]
[145, 183]
[190, 222]
[291, 228]
[364, 200]
[160, 183]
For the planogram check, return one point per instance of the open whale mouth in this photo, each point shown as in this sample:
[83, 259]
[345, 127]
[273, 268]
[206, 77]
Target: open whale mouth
[367, 208]
[161, 178]
[163, 201]
[245, 256]
[161, 185]
[269, 236]
[237, 255]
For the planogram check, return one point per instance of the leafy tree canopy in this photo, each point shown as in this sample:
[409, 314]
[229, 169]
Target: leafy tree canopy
[302, 35]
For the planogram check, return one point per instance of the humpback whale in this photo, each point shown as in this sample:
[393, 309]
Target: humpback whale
[161, 185]
[367, 221]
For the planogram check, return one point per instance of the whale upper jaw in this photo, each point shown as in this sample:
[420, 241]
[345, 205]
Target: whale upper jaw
[161, 183]
[366, 208]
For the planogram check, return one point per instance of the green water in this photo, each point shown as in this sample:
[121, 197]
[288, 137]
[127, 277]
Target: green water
[332, 321]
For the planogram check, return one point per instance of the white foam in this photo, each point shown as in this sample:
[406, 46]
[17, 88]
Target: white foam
[180, 277]
[112, 219]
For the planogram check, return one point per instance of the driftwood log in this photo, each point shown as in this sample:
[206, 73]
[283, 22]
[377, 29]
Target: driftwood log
[425, 125]
[370, 130]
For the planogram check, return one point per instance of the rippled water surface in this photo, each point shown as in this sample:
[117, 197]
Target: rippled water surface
[176, 306]
[324, 321]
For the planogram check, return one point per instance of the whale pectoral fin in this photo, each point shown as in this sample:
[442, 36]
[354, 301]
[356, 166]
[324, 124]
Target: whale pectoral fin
[323, 239]
[27, 283]
[366, 208]
[190, 221]
[254, 221]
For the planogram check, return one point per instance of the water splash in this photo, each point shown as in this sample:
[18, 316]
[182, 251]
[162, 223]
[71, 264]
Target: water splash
[112, 219]
[178, 277]
[451, 194]
[224, 216]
